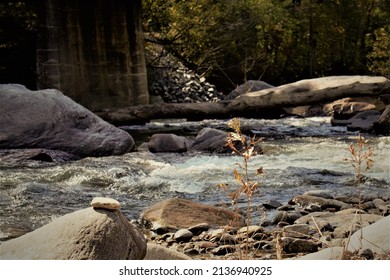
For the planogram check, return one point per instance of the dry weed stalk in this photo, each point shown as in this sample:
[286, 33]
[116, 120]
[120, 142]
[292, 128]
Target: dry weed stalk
[246, 186]
[361, 160]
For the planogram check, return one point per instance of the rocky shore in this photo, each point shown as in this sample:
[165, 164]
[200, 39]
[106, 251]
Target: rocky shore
[314, 225]
[309, 223]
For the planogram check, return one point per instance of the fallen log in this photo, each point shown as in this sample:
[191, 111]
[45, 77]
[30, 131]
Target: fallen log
[257, 104]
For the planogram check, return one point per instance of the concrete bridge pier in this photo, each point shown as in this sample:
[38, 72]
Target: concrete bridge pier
[93, 52]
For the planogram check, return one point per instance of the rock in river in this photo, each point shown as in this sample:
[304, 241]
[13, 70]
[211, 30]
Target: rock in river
[50, 120]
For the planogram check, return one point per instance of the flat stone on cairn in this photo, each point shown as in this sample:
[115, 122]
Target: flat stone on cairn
[105, 203]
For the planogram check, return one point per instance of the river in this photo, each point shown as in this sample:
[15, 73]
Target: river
[299, 155]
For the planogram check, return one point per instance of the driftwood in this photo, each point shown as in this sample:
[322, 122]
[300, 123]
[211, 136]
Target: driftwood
[257, 104]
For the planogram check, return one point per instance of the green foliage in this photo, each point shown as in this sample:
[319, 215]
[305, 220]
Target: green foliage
[278, 41]
[379, 57]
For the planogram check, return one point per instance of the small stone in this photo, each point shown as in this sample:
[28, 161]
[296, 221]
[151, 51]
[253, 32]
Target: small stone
[205, 245]
[297, 230]
[286, 207]
[223, 250]
[293, 216]
[251, 230]
[105, 203]
[199, 228]
[263, 245]
[216, 233]
[260, 236]
[191, 251]
[272, 204]
[183, 235]
[368, 205]
[378, 202]
[227, 238]
[282, 224]
[301, 246]
[320, 193]
[281, 216]
[313, 208]
[266, 223]
[366, 253]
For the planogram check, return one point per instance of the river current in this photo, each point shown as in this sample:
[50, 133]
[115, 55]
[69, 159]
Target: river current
[299, 155]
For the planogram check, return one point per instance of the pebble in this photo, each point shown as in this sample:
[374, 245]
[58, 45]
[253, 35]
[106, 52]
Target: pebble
[297, 230]
[105, 203]
[272, 204]
[183, 235]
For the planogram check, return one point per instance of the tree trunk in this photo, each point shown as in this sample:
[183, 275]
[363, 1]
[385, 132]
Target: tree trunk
[259, 104]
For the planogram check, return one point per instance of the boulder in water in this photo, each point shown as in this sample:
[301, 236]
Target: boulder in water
[50, 120]
[168, 143]
[211, 140]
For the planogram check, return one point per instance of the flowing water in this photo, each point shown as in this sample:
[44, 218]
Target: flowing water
[299, 155]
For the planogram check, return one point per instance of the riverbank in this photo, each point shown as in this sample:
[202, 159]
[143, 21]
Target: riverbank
[313, 225]
[308, 223]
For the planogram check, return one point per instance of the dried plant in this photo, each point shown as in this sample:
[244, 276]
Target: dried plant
[361, 160]
[245, 148]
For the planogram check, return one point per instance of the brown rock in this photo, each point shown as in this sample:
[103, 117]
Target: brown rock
[223, 250]
[182, 235]
[301, 246]
[345, 108]
[105, 203]
[177, 213]
[296, 231]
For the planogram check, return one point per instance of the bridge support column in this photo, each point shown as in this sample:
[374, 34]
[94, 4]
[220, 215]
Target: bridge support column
[93, 52]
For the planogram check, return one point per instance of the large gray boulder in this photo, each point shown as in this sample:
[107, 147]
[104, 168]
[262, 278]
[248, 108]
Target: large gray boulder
[85, 234]
[50, 120]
